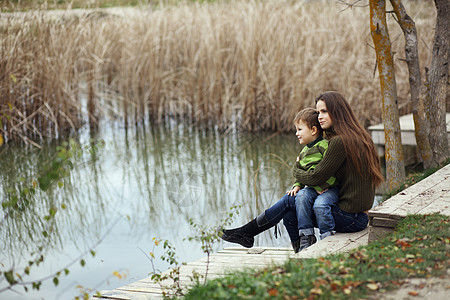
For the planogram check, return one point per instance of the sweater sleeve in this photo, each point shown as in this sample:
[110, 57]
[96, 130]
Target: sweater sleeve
[326, 168]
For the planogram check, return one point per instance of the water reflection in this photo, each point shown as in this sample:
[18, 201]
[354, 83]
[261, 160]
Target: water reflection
[144, 183]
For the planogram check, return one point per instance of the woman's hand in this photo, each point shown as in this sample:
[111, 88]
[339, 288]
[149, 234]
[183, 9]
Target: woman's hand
[294, 191]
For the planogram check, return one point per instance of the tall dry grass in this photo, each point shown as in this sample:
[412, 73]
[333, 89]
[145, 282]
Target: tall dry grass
[236, 65]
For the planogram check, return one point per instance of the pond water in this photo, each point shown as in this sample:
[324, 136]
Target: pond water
[143, 183]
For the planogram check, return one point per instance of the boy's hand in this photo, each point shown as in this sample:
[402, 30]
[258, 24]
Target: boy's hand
[321, 192]
[294, 191]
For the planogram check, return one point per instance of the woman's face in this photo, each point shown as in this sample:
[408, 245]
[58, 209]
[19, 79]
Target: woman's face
[324, 117]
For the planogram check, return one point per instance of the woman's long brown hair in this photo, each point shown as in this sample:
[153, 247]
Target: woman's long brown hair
[358, 144]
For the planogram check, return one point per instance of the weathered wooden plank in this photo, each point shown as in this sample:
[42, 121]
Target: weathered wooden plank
[128, 295]
[265, 251]
[242, 263]
[146, 289]
[186, 270]
[242, 249]
[340, 242]
[410, 206]
[184, 278]
[441, 205]
[153, 285]
[376, 233]
[244, 254]
[430, 195]
[415, 197]
[418, 203]
[383, 222]
[215, 271]
[221, 257]
[245, 258]
[141, 288]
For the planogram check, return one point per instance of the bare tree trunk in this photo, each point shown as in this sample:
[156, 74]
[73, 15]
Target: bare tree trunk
[395, 166]
[438, 81]
[415, 82]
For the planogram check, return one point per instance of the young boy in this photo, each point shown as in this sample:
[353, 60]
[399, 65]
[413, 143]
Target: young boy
[313, 204]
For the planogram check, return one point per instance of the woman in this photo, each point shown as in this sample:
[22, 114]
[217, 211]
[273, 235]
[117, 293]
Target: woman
[351, 158]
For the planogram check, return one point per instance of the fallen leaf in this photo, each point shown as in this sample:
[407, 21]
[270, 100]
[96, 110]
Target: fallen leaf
[419, 260]
[117, 274]
[372, 286]
[316, 291]
[334, 286]
[273, 292]
[398, 282]
[413, 293]
[278, 271]
[403, 243]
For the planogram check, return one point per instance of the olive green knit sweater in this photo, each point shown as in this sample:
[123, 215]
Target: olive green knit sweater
[356, 192]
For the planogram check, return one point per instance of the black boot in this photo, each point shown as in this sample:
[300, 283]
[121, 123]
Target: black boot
[244, 235]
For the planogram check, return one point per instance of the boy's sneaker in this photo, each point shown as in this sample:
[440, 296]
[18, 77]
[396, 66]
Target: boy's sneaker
[306, 241]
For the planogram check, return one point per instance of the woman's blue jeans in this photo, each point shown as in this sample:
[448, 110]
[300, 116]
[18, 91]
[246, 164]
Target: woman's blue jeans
[285, 209]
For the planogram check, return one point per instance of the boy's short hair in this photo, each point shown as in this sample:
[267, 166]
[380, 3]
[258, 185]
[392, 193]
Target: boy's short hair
[309, 116]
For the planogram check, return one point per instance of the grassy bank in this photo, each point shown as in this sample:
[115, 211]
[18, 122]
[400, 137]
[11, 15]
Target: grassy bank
[419, 248]
[234, 65]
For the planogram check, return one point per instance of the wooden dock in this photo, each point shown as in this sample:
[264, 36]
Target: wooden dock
[431, 195]
[410, 153]
[407, 131]
[235, 259]
[428, 196]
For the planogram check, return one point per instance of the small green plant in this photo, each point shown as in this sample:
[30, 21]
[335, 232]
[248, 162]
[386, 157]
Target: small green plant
[23, 196]
[173, 289]
[208, 236]
[169, 281]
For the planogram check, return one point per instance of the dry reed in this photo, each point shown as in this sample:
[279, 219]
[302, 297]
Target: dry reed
[233, 65]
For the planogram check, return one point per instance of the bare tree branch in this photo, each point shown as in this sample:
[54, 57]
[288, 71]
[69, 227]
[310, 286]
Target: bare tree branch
[355, 3]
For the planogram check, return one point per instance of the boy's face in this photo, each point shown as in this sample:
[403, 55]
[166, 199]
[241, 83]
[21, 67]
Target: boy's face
[304, 133]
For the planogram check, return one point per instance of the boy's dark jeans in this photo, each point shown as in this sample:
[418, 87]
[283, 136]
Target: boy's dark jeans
[285, 209]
